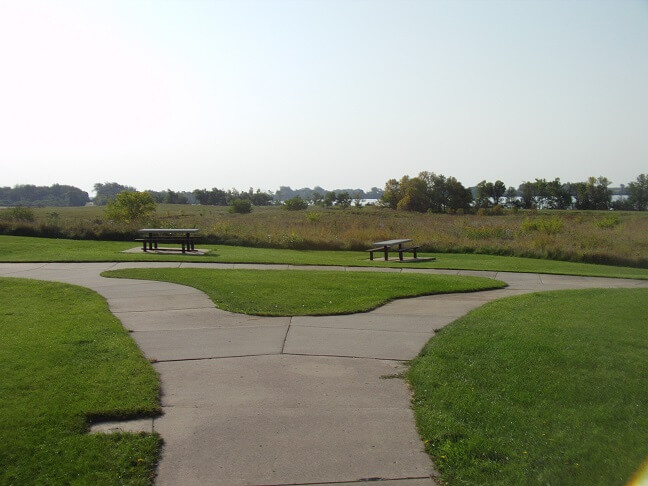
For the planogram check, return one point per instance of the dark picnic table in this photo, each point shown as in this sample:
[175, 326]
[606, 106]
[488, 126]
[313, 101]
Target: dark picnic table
[392, 245]
[152, 236]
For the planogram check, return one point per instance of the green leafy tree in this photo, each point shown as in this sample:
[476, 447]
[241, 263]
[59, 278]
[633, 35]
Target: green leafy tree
[329, 199]
[392, 193]
[484, 193]
[317, 198]
[511, 197]
[638, 193]
[437, 191]
[498, 191]
[415, 195]
[130, 206]
[459, 197]
[343, 199]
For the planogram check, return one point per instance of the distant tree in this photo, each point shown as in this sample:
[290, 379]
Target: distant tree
[108, 190]
[484, 194]
[214, 197]
[343, 199]
[172, 197]
[54, 195]
[260, 198]
[392, 193]
[592, 194]
[317, 198]
[357, 200]
[437, 191]
[329, 199]
[459, 197]
[511, 197]
[526, 191]
[374, 193]
[498, 191]
[284, 193]
[415, 195]
[130, 206]
[638, 193]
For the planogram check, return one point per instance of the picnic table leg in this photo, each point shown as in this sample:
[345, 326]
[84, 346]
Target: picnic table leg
[144, 244]
[386, 254]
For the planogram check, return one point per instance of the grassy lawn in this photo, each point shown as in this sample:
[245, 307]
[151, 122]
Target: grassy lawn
[547, 388]
[26, 249]
[64, 359]
[298, 293]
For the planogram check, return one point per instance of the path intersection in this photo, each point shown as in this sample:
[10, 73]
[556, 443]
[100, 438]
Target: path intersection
[251, 400]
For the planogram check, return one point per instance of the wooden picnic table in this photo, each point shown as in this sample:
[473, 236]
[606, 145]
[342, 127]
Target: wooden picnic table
[152, 236]
[386, 246]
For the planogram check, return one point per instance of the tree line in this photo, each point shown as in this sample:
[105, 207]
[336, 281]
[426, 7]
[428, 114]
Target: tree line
[439, 194]
[31, 195]
[425, 192]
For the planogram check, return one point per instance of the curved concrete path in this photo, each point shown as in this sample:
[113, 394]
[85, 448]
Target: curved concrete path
[284, 401]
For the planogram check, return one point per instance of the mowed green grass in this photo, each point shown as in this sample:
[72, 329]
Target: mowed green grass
[28, 249]
[547, 388]
[64, 359]
[298, 293]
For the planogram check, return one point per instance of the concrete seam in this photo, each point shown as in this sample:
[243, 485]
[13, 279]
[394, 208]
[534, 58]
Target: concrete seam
[160, 310]
[365, 329]
[400, 360]
[358, 481]
[226, 328]
[212, 358]
[283, 344]
[22, 271]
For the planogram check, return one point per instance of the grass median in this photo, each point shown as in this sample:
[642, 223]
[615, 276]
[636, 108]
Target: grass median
[297, 293]
[64, 359]
[30, 249]
[547, 388]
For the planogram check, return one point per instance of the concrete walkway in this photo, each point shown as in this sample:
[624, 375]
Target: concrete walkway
[284, 401]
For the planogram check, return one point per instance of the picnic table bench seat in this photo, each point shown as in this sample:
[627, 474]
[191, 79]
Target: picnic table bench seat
[385, 249]
[413, 249]
[151, 238]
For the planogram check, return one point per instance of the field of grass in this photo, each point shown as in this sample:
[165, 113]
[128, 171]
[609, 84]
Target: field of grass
[619, 238]
[63, 360]
[296, 293]
[547, 388]
[28, 249]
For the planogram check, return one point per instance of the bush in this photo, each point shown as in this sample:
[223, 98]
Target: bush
[549, 226]
[609, 221]
[22, 213]
[295, 204]
[241, 206]
[313, 217]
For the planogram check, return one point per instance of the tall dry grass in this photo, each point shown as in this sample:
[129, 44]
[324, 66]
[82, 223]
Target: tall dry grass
[619, 238]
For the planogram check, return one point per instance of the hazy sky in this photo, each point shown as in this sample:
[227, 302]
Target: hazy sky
[189, 94]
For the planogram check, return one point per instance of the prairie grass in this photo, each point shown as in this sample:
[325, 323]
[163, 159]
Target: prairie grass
[619, 238]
